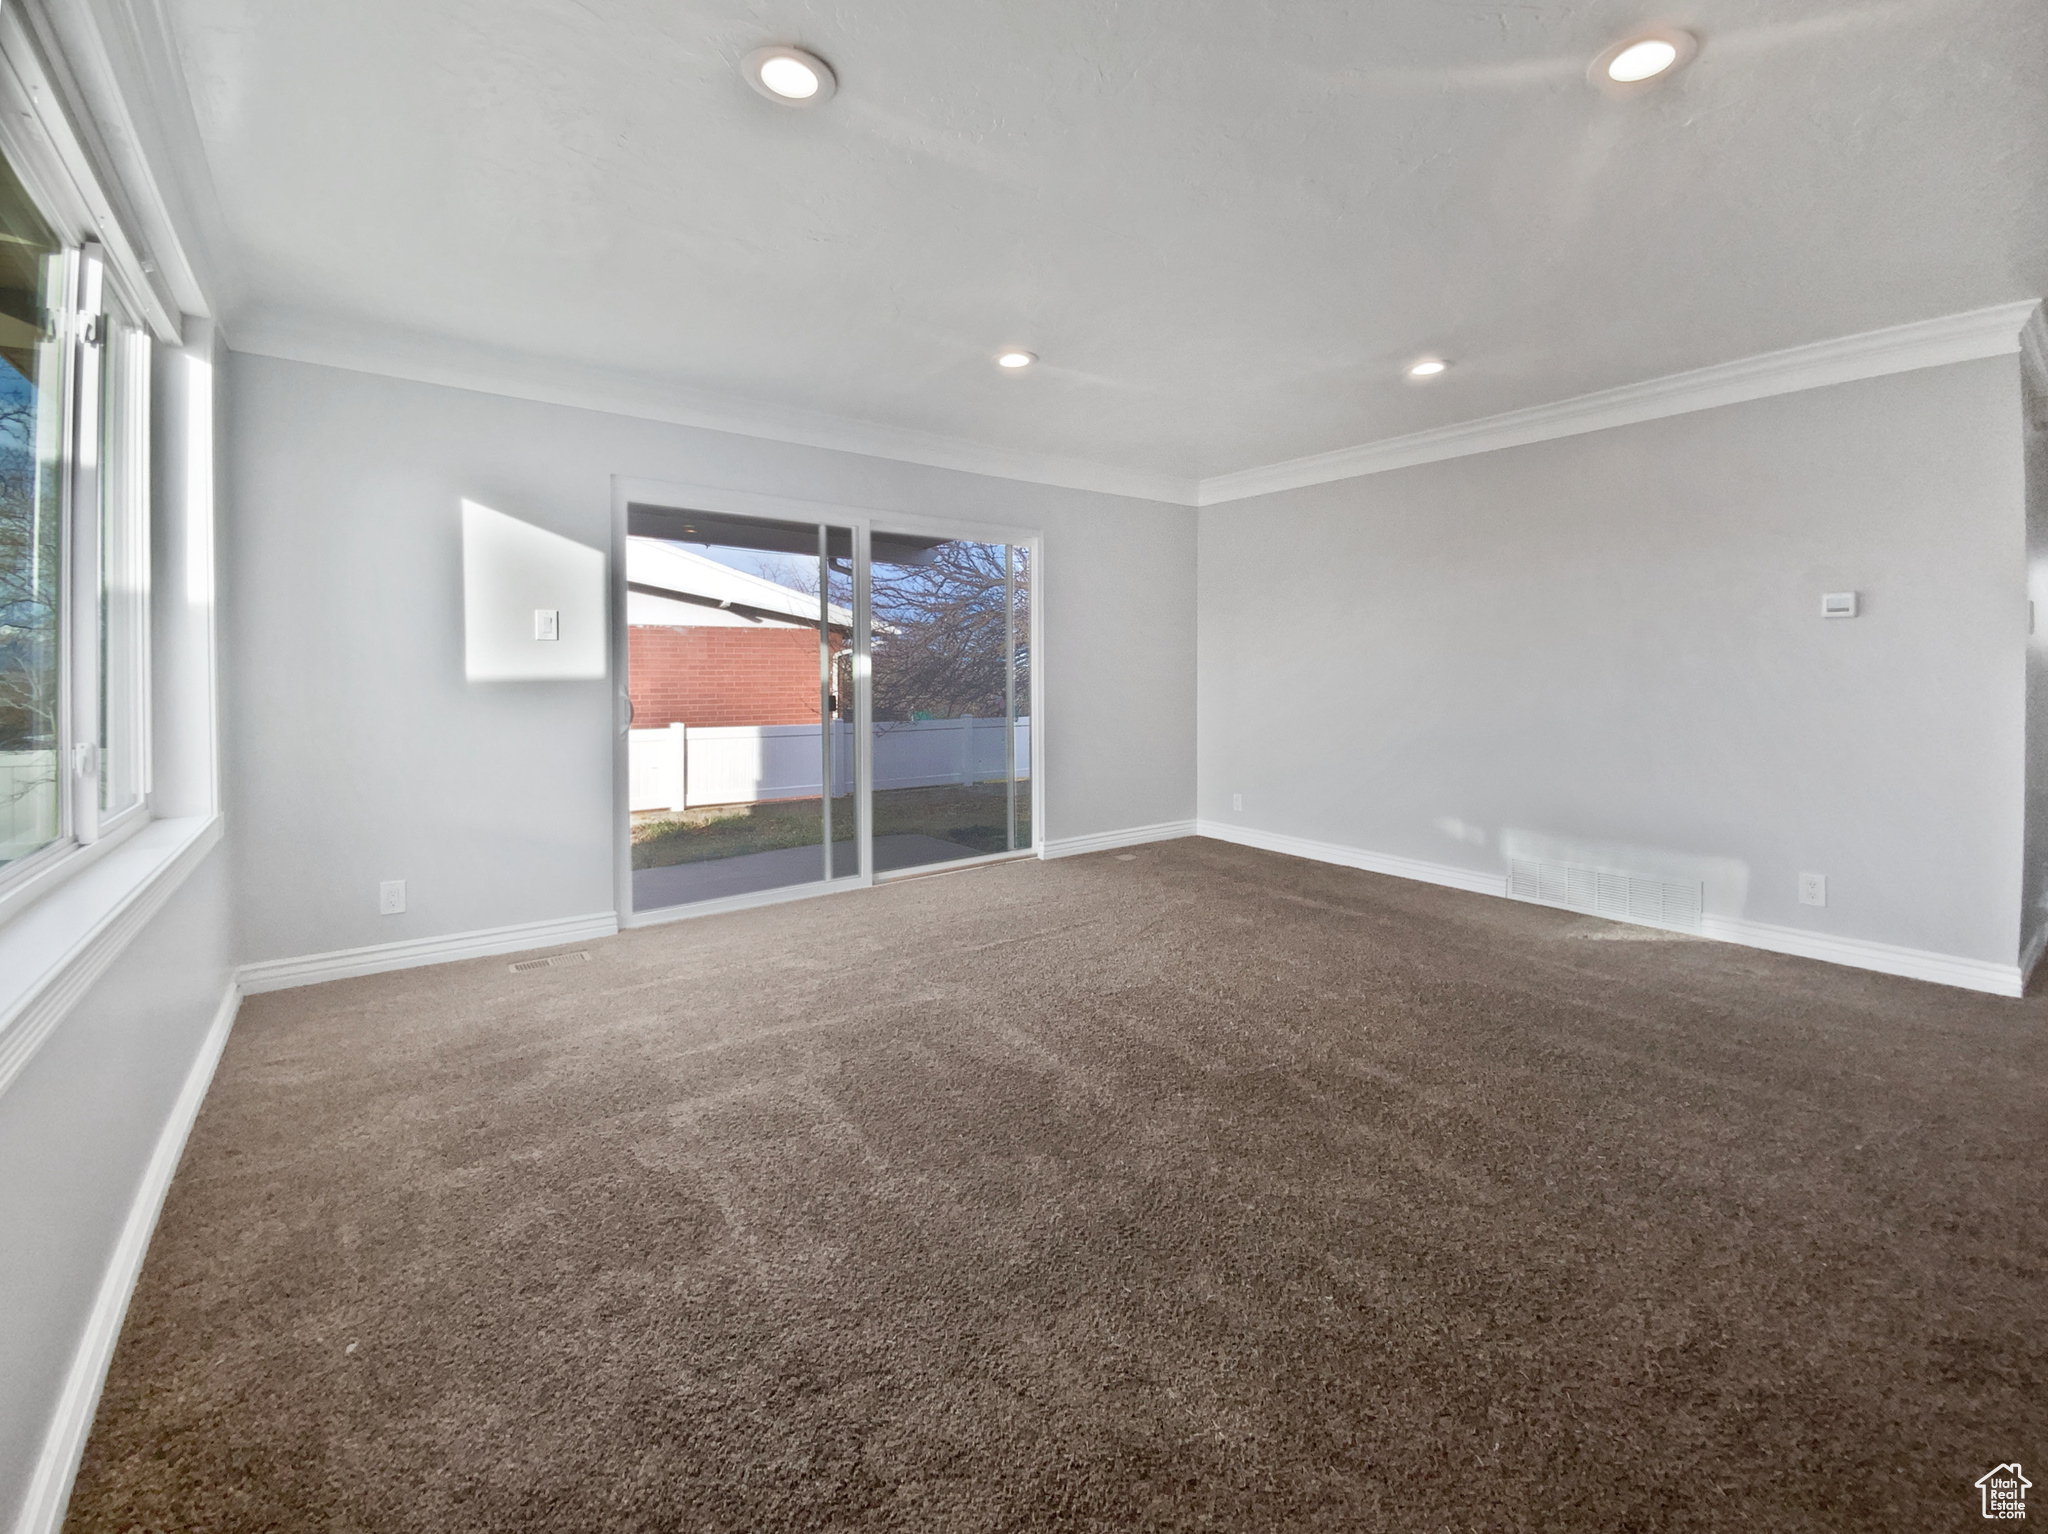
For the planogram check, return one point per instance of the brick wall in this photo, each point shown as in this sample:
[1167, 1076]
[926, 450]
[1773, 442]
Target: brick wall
[713, 676]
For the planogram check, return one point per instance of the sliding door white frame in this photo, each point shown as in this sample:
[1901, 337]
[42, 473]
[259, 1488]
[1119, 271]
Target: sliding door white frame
[864, 523]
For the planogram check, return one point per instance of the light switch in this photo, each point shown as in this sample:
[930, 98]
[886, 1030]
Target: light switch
[547, 623]
[1838, 604]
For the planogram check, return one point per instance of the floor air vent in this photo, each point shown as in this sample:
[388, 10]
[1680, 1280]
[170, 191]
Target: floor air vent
[552, 961]
[1604, 892]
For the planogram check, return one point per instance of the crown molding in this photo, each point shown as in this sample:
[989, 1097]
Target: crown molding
[130, 143]
[65, 157]
[144, 104]
[515, 376]
[1993, 332]
[1998, 331]
[2034, 363]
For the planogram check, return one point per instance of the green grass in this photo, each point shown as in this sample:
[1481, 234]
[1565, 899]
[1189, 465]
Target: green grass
[969, 816]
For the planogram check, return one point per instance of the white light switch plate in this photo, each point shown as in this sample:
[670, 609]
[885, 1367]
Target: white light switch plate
[547, 623]
[391, 898]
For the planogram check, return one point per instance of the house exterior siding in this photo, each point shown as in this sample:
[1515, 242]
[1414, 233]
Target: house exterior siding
[721, 676]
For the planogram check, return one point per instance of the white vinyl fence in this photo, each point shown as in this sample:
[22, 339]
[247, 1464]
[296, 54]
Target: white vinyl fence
[28, 801]
[683, 767]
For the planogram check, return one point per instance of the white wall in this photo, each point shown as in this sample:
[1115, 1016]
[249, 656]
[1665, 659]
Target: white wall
[361, 753]
[1613, 640]
[79, 1125]
[77, 1129]
[2034, 912]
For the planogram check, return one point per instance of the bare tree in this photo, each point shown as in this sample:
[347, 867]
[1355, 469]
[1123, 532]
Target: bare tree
[940, 634]
[29, 563]
[939, 630]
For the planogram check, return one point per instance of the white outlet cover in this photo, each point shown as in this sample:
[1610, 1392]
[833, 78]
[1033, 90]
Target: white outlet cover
[391, 898]
[1838, 604]
[1813, 889]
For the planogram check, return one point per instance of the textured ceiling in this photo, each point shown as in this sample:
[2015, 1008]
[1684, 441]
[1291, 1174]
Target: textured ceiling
[1223, 224]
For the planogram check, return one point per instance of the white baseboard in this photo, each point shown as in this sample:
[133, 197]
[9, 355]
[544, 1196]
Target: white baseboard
[661, 916]
[1861, 953]
[1854, 952]
[2031, 951]
[345, 963]
[49, 1487]
[1478, 882]
[1102, 841]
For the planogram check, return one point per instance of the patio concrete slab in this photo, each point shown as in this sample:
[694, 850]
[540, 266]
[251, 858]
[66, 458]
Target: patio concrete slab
[688, 883]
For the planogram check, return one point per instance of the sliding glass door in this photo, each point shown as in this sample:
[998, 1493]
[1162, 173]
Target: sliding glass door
[951, 705]
[818, 703]
[741, 767]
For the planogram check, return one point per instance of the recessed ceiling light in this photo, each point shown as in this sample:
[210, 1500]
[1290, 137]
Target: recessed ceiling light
[1636, 63]
[1427, 367]
[790, 76]
[1015, 359]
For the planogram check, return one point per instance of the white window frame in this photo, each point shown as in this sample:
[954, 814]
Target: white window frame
[127, 360]
[102, 273]
[69, 910]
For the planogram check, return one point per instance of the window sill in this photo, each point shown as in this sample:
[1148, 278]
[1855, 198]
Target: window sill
[57, 865]
[52, 951]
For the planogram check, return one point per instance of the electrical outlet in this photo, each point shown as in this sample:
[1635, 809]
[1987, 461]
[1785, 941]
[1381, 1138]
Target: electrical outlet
[1237, 801]
[1813, 889]
[391, 898]
[547, 623]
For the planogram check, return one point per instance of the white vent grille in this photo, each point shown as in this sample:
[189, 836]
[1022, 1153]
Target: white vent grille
[1606, 892]
[524, 966]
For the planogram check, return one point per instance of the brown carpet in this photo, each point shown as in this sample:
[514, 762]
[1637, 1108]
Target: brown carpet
[1202, 1189]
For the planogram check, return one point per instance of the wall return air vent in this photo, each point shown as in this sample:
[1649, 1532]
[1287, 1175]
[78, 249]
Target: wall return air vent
[1607, 892]
[552, 961]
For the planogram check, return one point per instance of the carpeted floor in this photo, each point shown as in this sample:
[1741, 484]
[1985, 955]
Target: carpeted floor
[1195, 1189]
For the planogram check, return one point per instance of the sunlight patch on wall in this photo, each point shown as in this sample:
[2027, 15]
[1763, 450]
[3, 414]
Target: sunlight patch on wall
[533, 602]
[1461, 830]
[1723, 882]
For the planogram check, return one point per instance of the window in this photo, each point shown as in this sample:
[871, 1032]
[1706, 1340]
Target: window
[32, 280]
[74, 534]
